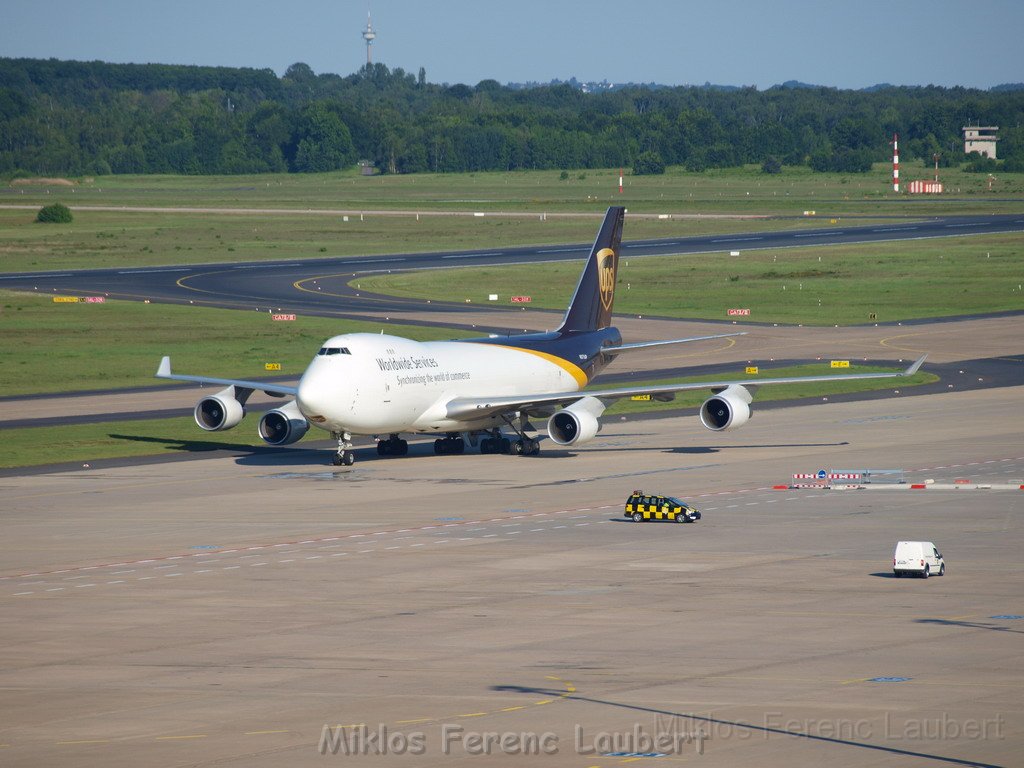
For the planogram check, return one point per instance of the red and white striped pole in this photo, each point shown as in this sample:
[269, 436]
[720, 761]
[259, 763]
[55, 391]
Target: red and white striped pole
[895, 163]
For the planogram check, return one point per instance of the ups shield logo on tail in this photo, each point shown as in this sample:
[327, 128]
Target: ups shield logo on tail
[606, 277]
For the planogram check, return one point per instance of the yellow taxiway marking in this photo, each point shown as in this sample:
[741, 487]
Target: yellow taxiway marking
[260, 733]
[886, 342]
[180, 738]
[511, 709]
[416, 720]
[85, 741]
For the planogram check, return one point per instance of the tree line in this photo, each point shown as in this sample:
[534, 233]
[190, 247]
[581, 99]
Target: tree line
[74, 118]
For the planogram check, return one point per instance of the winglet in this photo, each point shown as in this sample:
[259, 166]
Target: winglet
[164, 371]
[917, 364]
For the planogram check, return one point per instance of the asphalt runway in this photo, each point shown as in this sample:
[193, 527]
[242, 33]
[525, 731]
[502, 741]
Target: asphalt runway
[223, 612]
[320, 286]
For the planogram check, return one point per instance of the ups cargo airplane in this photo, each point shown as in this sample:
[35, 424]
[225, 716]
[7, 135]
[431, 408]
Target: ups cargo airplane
[480, 389]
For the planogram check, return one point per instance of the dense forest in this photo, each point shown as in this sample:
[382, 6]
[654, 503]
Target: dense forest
[73, 118]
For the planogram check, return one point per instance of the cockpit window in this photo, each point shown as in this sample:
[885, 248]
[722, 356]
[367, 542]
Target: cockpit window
[333, 351]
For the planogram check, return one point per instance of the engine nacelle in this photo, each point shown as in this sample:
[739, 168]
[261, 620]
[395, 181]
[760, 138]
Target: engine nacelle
[283, 426]
[220, 411]
[576, 423]
[728, 409]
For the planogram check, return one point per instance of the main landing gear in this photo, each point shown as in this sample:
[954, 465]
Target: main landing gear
[496, 444]
[345, 455]
[393, 446]
[524, 446]
[452, 444]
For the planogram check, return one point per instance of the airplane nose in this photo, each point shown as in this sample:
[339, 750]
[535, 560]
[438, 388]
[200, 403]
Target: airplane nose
[314, 395]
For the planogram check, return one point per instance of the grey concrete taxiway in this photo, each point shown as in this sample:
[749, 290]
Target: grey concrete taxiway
[445, 609]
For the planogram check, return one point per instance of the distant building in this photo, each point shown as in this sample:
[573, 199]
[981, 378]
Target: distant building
[981, 139]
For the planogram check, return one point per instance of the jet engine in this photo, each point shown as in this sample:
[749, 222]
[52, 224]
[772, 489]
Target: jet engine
[576, 423]
[220, 411]
[726, 409]
[284, 425]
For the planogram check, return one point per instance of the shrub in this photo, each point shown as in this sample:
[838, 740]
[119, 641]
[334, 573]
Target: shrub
[58, 213]
[648, 163]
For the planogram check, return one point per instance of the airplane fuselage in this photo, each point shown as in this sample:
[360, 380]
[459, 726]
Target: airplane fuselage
[375, 384]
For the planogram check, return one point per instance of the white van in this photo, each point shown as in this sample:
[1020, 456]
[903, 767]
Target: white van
[917, 558]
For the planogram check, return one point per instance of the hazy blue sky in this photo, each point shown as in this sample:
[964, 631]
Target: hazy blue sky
[849, 44]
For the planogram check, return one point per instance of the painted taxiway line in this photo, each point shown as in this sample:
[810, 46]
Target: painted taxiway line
[482, 537]
[419, 529]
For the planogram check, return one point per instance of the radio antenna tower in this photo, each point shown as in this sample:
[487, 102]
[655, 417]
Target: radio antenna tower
[369, 36]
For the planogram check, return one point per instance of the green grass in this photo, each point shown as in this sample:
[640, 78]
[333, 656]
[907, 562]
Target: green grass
[52, 347]
[90, 442]
[118, 439]
[733, 190]
[120, 240]
[147, 238]
[894, 281]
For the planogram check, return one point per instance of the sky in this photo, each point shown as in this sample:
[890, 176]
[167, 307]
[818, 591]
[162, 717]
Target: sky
[837, 43]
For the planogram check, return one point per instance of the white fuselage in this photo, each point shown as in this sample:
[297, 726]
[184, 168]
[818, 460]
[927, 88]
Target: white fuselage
[368, 384]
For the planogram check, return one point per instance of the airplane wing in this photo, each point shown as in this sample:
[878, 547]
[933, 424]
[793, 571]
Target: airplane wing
[274, 390]
[463, 407]
[649, 344]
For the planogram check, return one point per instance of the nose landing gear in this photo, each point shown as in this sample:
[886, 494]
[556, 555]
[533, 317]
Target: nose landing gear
[345, 456]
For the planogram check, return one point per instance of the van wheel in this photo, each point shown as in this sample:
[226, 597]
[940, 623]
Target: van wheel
[926, 572]
[942, 570]
[638, 517]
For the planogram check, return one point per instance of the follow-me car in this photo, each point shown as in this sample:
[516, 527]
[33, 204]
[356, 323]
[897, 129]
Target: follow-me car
[642, 506]
[476, 389]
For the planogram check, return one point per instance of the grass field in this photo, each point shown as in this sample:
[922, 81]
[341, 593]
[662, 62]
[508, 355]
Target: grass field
[52, 347]
[734, 191]
[99, 239]
[89, 442]
[814, 286]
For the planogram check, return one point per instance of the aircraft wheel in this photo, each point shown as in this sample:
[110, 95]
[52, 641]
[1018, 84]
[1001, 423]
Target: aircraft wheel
[518, 448]
[403, 448]
[487, 445]
[439, 447]
[382, 448]
[506, 445]
[336, 459]
[348, 458]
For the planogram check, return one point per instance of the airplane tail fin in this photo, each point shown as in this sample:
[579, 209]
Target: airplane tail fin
[591, 305]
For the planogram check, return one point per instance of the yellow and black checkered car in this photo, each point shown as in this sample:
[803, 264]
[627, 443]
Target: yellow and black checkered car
[641, 506]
